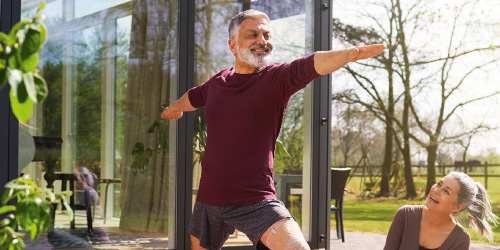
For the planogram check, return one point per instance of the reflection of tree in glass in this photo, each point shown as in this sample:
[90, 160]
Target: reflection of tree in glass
[87, 84]
[51, 69]
[211, 23]
[122, 52]
[292, 136]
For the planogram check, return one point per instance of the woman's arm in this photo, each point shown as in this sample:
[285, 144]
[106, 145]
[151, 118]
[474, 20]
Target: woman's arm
[395, 235]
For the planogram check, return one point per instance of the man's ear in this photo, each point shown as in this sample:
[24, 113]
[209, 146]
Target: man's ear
[232, 45]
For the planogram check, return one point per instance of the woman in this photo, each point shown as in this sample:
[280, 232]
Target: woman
[433, 226]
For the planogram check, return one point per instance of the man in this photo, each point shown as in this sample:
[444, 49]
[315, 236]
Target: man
[245, 105]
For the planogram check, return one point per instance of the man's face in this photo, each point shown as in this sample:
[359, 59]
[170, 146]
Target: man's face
[253, 46]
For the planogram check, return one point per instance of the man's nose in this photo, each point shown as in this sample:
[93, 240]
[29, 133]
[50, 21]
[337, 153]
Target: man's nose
[261, 40]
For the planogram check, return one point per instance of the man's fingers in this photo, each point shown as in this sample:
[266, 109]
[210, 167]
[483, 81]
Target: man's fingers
[370, 51]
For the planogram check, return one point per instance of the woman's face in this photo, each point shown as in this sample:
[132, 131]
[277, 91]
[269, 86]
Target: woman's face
[444, 195]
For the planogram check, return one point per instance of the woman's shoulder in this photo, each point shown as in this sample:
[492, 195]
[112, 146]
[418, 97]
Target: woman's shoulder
[459, 239]
[461, 232]
[411, 209]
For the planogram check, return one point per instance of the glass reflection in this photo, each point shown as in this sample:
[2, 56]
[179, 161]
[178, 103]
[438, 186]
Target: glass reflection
[107, 80]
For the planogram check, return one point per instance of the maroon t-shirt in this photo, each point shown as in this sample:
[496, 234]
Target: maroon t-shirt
[244, 113]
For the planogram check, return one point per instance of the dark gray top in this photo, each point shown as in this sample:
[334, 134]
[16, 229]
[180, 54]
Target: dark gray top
[405, 230]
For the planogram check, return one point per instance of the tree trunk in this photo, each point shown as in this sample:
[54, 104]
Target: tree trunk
[410, 185]
[431, 166]
[385, 188]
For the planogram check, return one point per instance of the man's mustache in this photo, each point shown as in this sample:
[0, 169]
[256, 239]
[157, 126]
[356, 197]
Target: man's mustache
[266, 47]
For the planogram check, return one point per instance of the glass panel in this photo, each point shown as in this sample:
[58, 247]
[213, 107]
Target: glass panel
[291, 174]
[29, 7]
[85, 133]
[107, 85]
[87, 7]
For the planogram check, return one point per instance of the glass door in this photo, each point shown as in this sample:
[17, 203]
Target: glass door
[110, 67]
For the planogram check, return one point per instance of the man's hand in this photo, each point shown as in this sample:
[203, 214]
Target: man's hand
[174, 111]
[171, 114]
[365, 52]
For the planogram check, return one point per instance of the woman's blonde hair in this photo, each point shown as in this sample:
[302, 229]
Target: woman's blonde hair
[477, 204]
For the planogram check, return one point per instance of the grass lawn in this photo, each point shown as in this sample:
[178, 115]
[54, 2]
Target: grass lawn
[374, 215]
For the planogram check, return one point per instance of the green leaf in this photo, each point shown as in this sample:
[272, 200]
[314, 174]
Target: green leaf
[41, 7]
[7, 195]
[34, 232]
[3, 239]
[21, 242]
[13, 63]
[23, 217]
[41, 88]
[153, 125]
[28, 57]
[138, 149]
[17, 186]
[280, 149]
[69, 211]
[43, 32]
[45, 217]
[13, 32]
[32, 42]
[29, 83]
[29, 63]
[21, 110]
[7, 208]
[3, 37]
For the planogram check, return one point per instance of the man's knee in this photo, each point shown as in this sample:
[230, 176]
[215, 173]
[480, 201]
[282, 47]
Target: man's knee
[285, 234]
[195, 244]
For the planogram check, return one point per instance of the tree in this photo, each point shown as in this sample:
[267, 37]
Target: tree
[380, 104]
[425, 94]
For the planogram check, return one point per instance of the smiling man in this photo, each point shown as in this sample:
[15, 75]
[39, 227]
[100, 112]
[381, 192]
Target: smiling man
[245, 106]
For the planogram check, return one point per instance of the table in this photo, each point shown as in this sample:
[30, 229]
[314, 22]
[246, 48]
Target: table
[107, 182]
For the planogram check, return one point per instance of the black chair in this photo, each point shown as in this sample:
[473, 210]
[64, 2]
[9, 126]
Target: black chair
[71, 178]
[339, 179]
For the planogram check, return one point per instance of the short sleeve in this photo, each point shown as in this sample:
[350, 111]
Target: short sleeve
[297, 74]
[198, 95]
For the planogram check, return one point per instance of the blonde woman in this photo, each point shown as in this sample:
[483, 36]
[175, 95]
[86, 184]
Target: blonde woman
[435, 225]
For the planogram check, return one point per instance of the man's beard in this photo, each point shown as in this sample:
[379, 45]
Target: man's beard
[255, 60]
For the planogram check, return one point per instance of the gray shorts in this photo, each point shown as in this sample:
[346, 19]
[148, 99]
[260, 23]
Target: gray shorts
[212, 225]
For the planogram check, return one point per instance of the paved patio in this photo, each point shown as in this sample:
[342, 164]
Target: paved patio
[110, 237]
[363, 241]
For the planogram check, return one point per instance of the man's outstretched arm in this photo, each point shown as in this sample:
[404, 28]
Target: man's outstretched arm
[326, 62]
[175, 110]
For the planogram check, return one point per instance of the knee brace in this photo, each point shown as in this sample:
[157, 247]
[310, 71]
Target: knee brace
[286, 234]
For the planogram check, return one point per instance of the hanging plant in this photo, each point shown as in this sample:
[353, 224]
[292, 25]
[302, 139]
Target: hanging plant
[18, 65]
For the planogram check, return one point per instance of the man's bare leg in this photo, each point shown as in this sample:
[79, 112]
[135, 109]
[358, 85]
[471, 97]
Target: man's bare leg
[284, 234]
[195, 244]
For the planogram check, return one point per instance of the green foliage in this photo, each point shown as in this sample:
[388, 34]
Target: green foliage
[31, 213]
[281, 150]
[18, 62]
[141, 154]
